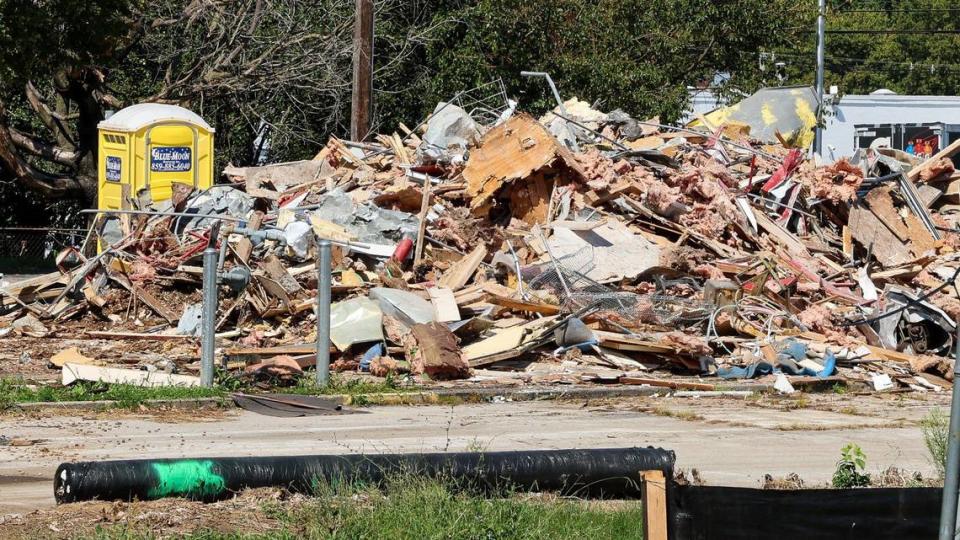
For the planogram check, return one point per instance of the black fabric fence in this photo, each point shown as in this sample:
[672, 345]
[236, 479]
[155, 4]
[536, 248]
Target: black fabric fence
[707, 513]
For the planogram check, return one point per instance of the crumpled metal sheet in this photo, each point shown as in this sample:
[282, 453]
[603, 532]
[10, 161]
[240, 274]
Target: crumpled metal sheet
[216, 201]
[366, 222]
[358, 320]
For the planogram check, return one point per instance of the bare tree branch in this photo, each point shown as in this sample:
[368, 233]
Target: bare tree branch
[44, 150]
[49, 118]
[49, 185]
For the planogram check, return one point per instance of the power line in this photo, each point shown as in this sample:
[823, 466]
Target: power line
[881, 10]
[846, 59]
[889, 32]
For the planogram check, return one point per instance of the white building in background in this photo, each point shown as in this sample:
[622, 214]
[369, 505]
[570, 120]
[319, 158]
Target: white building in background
[702, 101]
[855, 121]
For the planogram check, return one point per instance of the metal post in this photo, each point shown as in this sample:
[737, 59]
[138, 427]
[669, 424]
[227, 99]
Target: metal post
[821, 30]
[556, 96]
[209, 320]
[323, 312]
[951, 481]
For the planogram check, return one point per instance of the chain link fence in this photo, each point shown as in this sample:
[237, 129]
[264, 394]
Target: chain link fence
[25, 250]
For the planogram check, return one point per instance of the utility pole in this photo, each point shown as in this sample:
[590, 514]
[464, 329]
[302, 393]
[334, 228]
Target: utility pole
[361, 109]
[821, 29]
[951, 480]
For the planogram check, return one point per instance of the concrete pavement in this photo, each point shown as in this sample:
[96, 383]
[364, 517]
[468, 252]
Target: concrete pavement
[731, 441]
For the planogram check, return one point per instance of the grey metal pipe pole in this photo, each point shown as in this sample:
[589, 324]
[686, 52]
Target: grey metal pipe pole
[209, 313]
[323, 312]
[556, 96]
[951, 481]
[821, 31]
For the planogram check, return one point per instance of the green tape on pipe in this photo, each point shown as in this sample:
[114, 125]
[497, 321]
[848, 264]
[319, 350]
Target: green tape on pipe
[188, 478]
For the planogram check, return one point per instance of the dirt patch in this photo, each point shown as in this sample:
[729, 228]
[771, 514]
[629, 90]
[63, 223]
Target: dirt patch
[252, 511]
[212, 412]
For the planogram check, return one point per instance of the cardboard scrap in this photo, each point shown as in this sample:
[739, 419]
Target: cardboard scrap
[73, 356]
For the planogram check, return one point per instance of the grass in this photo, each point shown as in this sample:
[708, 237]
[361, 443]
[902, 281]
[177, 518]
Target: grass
[799, 402]
[13, 391]
[418, 508]
[935, 427]
[688, 416]
[16, 390]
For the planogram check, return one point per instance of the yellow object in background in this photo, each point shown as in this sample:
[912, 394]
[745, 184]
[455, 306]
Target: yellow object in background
[787, 115]
[150, 146]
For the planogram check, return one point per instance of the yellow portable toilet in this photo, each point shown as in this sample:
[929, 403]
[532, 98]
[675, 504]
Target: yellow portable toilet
[150, 146]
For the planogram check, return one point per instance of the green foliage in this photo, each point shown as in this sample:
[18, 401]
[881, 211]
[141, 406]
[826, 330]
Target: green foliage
[39, 36]
[862, 63]
[638, 55]
[850, 469]
[14, 391]
[338, 384]
[936, 436]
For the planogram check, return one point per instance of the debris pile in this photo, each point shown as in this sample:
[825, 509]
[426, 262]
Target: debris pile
[584, 247]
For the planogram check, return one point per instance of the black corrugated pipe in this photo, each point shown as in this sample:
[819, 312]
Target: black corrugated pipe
[605, 472]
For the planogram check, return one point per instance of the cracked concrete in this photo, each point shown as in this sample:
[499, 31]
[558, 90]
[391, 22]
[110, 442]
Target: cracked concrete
[730, 441]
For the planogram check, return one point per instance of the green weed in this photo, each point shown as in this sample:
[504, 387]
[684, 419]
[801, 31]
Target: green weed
[850, 469]
[935, 427]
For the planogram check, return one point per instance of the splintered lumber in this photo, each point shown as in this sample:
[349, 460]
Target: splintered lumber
[623, 342]
[895, 239]
[278, 273]
[291, 350]
[437, 353]
[949, 151]
[95, 334]
[781, 236]
[469, 295]
[511, 152]
[655, 505]
[136, 377]
[578, 225]
[521, 305]
[676, 385]
[148, 299]
[597, 197]
[457, 276]
[506, 340]
[422, 218]
[444, 304]
[507, 343]
[245, 246]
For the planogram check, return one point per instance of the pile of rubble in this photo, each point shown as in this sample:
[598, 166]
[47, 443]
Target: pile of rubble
[583, 247]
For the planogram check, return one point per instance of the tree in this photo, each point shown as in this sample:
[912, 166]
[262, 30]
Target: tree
[61, 43]
[239, 63]
[639, 55]
[898, 50]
